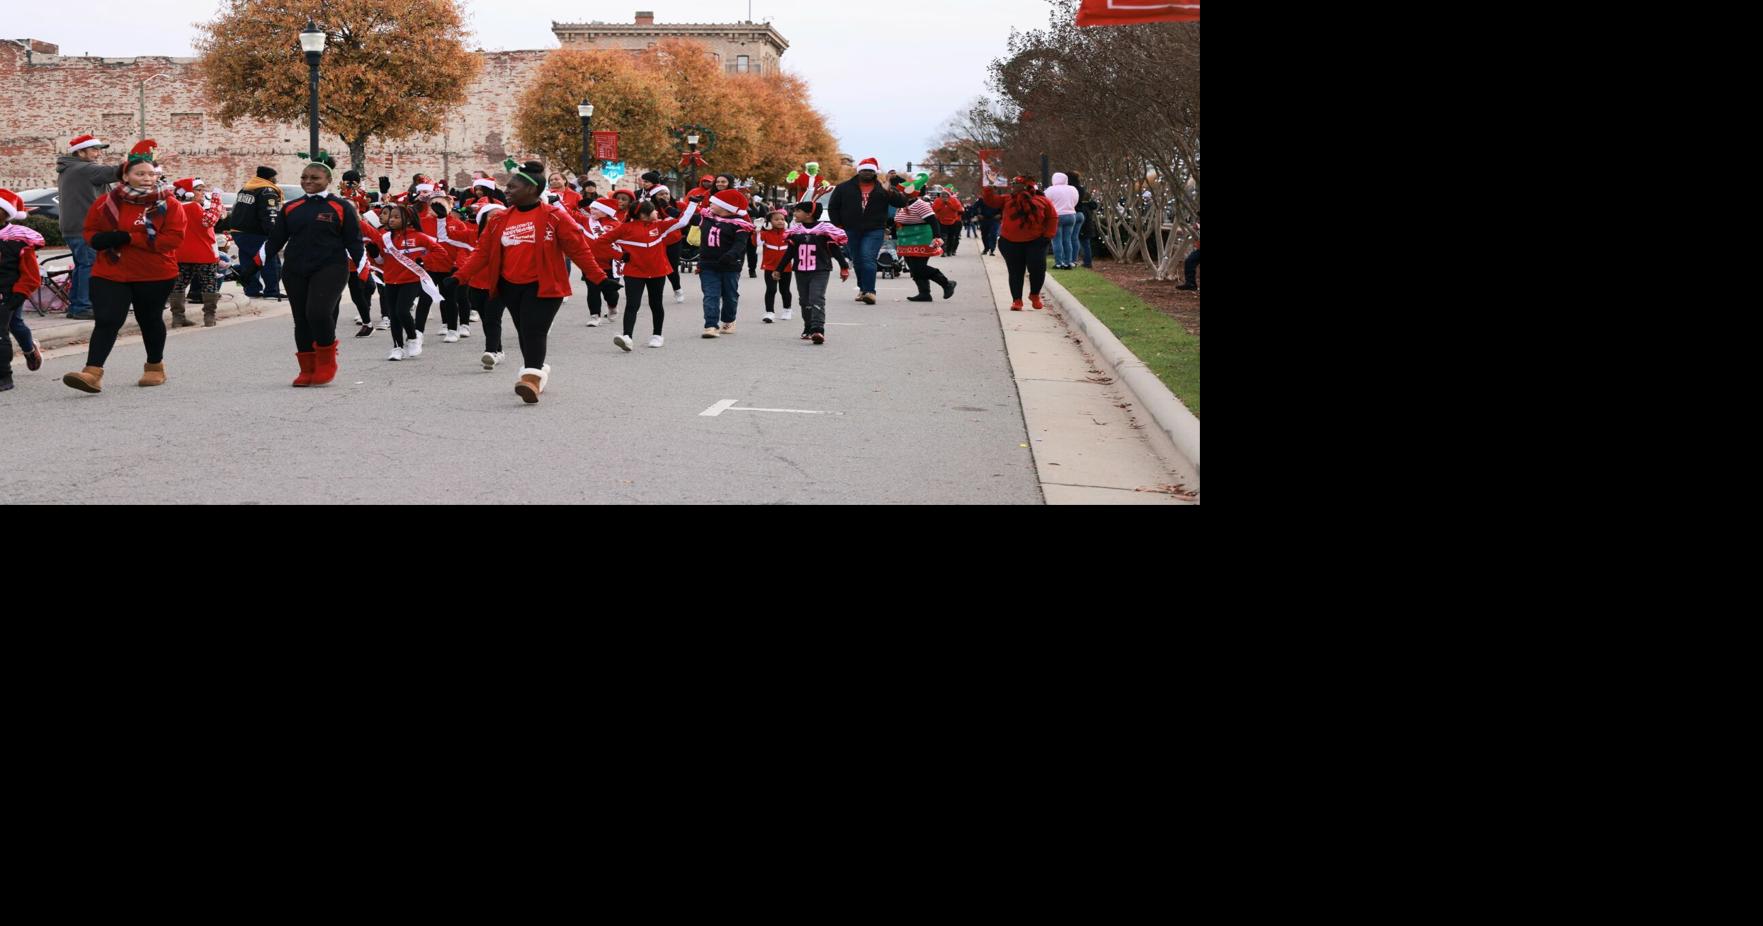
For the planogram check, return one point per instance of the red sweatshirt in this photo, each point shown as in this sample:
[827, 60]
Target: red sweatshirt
[519, 244]
[645, 246]
[141, 262]
[948, 211]
[1018, 231]
[445, 258]
[414, 244]
[775, 244]
[198, 246]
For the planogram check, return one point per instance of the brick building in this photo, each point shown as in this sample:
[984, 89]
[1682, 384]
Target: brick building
[52, 98]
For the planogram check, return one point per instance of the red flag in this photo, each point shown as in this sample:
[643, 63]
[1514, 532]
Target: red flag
[1130, 12]
[606, 146]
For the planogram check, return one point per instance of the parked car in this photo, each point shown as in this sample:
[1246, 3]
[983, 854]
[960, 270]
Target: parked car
[46, 203]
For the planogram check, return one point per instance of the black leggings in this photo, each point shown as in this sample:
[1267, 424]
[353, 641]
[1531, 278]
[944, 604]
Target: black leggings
[1032, 256]
[361, 292]
[773, 287]
[478, 300]
[595, 299]
[532, 316]
[447, 304]
[923, 273]
[673, 252]
[396, 302]
[316, 300]
[110, 307]
[635, 287]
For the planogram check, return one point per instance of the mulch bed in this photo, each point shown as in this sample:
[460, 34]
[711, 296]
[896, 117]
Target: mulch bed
[1181, 305]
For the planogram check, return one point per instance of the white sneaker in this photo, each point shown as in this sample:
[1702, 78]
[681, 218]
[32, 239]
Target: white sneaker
[465, 331]
[612, 311]
[655, 340]
[385, 323]
[624, 343]
[451, 337]
[679, 295]
[396, 354]
[491, 359]
[769, 318]
[788, 314]
[593, 321]
[413, 347]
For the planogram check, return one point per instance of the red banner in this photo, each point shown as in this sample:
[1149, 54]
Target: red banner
[1129, 12]
[605, 146]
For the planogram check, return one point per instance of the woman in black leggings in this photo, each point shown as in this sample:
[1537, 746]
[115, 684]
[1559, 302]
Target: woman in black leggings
[323, 236]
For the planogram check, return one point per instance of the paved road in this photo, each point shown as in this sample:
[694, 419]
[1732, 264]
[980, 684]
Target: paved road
[919, 401]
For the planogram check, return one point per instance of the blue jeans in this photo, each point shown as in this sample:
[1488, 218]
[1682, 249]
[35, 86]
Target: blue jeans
[865, 246]
[1083, 245]
[1065, 243]
[21, 332]
[80, 293]
[722, 295]
[988, 231]
[250, 274]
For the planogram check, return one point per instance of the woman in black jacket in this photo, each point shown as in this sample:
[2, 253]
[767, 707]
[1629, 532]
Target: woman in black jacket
[860, 207]
[322, 233]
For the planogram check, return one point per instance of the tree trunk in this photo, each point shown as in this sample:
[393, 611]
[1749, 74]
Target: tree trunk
[358, 155]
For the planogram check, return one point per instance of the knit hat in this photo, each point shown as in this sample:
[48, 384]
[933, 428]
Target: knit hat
[266, 173]
[869, 164]
[350, 176]
[606, 206]
[83, 142]
[659, 189]
[733, 200]
[651, 177]
[144, 150]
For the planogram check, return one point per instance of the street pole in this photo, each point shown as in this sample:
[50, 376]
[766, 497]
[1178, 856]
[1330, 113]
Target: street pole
[1046, 176]
[586, 111]
[312, 43]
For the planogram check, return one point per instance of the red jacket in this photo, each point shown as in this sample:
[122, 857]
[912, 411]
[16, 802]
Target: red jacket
[1018, 231]
[775, 244]
[30, 276]
[198, 246]
[141, 262]
[445, 258]
[645, 246]
[571, 199]
[563, 236]
[948, 210]
[414, 244]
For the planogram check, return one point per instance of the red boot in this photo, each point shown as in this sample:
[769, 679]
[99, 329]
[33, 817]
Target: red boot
[1035, 300]
[307, 360]
[1016, 305]
[324, 368]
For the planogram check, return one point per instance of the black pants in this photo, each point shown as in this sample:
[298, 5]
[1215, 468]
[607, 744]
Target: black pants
[396, 302]
[773, 287]
[1032, 257]
[753, 255]
[988, 233]
[635, 288]
[478, 300]
[951, 238]
[595, 299]
[812, 287]
[448, 306]
[1190, 265]
[361, 293]
[673, 252]
[316, 299]
[110, 306]
[6, 337]
[532, 316]
[924, 274]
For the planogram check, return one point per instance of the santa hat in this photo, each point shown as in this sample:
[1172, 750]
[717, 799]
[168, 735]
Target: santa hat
[144, 150]
[422, 188]
[733, 200]
[83, 142]
[484, 182]
[658, 190]
[11, 206]
[607, 206]
[188, 184]
[869, 164]
[487, 208]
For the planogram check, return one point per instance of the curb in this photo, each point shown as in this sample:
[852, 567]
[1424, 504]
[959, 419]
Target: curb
[1172, 417]
[231, 306]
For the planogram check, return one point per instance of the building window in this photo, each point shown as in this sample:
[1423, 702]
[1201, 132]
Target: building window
[740, 64]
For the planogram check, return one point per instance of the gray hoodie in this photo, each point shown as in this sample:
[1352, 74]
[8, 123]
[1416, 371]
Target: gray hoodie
[82, 182]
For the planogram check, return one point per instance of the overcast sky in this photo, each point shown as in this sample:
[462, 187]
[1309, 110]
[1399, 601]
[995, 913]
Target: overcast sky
[850, 52]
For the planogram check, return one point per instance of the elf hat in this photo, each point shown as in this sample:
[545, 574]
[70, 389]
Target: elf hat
[144, 150]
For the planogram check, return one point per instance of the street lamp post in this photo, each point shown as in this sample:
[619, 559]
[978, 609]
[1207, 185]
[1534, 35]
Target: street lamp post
[586, 111]
[312, 43]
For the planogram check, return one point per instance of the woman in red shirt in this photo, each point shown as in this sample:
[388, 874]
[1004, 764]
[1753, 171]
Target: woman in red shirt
[197, 261]
[524, 249]
[136, 229]
[1030, 222]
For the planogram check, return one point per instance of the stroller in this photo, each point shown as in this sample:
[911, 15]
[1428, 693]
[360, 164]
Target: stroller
[688, 258]
[888, 263]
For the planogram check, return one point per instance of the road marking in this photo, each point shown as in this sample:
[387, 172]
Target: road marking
[728, 405]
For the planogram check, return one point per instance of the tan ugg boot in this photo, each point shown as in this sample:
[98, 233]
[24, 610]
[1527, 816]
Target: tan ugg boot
[153, 374]
[531, 384]
[90, 379]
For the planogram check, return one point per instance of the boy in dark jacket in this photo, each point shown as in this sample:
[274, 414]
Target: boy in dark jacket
[723, 249]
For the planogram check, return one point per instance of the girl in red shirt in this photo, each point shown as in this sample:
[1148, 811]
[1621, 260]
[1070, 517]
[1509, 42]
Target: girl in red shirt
[775, 242]
[197, 260]
[136, 229]
[644, 241]
[403, 249]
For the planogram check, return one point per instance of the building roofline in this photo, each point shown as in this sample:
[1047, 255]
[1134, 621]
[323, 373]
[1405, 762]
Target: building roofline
[623, 28]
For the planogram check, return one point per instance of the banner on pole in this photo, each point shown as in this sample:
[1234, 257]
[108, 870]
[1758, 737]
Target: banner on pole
[612, 170]
[1130, 12]
[605, 146]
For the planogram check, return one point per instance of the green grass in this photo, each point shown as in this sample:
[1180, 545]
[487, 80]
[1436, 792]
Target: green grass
[1160, 341]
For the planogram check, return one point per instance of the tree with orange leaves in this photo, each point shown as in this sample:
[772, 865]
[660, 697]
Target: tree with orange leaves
[392, 69]
[627, 98]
